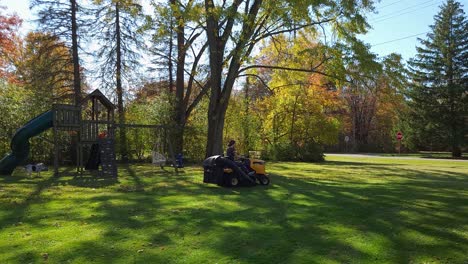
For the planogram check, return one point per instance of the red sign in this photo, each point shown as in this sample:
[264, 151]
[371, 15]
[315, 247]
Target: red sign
[399, 135]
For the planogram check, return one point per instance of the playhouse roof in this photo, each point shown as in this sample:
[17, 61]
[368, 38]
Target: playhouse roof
[101, 97]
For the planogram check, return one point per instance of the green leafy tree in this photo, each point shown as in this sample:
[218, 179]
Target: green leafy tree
[234, 29]
[148, 110]
[243, 122]
[180, 48]
[14, 103]
[439, 92]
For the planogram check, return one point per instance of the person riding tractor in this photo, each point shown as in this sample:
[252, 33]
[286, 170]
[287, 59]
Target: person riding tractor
[233, 170]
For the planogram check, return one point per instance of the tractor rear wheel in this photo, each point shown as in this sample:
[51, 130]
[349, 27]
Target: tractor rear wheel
[234, 181]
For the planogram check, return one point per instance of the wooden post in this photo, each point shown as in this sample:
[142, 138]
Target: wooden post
[79, 148]
[56, 147]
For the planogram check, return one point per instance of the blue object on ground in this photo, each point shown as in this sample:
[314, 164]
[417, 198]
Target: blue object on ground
[180, 160]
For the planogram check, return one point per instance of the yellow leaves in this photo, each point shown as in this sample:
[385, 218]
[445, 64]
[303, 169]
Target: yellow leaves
[302, 108]
[302, 101]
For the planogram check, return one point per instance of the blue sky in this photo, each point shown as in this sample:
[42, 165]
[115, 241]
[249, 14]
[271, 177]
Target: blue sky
[396, 26]
[397, 23]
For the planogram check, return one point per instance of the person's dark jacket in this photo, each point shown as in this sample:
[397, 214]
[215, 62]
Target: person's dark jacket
[231, 153]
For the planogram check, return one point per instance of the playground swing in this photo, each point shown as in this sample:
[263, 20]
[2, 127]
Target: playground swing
[161, 151]
[157, 158]
[161, 143]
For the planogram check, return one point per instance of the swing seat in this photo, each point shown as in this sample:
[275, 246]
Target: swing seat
[157, 158]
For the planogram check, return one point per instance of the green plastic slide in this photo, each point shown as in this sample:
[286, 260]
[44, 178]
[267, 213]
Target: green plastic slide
[20, 142]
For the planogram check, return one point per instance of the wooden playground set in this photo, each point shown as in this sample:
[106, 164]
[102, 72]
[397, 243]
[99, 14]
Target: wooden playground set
[94, 126]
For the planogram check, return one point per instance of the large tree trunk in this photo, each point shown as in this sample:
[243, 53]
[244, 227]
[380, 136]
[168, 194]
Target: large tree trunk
[119, 89]
[216, 114]
[76, 60]
[180, 107]
[214, 144]
[170, 63]
[183, 103]
[219, 101]
[221, 90]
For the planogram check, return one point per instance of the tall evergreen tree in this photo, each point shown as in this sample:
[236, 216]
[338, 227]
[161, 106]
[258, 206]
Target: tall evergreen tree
[439, 91]
[117, 33]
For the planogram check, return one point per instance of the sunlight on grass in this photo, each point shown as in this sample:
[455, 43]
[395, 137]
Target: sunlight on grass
[344, 210]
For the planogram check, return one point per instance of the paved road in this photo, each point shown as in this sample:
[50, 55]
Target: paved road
[370, 155]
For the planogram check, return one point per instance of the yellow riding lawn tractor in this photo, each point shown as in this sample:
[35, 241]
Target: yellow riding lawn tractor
[225, 172]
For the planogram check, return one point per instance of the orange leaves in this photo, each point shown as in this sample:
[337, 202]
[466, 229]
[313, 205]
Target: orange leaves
[9, 40]
[8, 26]
[324, 91]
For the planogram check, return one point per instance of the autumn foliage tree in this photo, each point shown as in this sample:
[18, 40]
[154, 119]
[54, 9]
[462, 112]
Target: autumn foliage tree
[44, 68]
[297, 113]
[9, 42]
[374, 96]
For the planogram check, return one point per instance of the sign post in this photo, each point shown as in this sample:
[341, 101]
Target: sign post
[399, 137]
[346, 139]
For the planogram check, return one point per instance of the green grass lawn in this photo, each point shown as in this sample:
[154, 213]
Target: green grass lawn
[345, 210]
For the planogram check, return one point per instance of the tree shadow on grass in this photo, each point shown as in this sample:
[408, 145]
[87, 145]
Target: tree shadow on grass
[419, 201]
[30, 190]
[394, 212]
[303, 220]
[409, 216]
[18, 203]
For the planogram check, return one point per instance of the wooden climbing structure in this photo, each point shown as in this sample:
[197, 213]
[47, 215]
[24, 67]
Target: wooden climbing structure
[93, 124]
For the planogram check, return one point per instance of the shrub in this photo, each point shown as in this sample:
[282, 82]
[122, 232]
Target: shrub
[309, 152]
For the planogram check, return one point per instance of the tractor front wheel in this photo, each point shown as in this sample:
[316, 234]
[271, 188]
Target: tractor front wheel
[264, 180]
